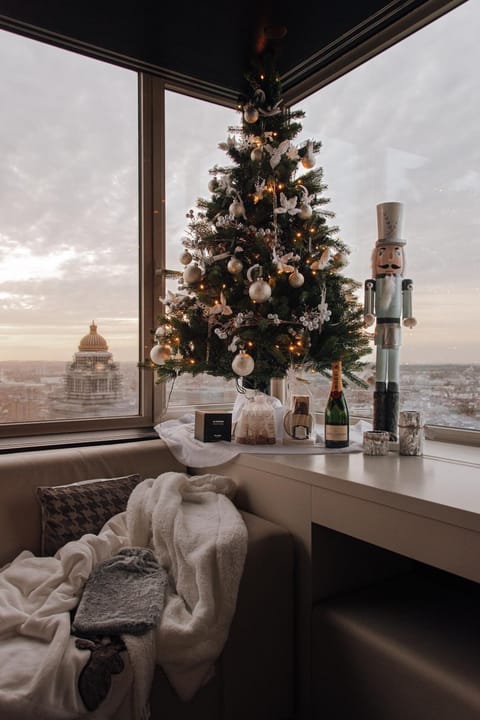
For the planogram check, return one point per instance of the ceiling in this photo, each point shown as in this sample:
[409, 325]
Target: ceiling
[210, 45]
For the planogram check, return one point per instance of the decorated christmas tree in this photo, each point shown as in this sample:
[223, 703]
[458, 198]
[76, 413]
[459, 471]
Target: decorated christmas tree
[262, 289]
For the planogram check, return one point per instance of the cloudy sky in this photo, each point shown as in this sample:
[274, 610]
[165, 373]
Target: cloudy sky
[68, 201]
[402, 127]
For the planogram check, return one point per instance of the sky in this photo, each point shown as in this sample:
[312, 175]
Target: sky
[68, 202]
[402, 127]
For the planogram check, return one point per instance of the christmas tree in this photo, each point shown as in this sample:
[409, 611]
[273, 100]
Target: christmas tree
[262, 289]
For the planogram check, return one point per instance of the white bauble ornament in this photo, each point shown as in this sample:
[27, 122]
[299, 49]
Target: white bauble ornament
[160, 353]
[185, 258]
[213, 185]
[260, 291]
[250, 114]
[305, 211]
[340, 259]
[192, 274]
[256, 155]
[296, 279]
[243, 364]
[236, 209]
[308, 161]
[234, 266]
[160, 331]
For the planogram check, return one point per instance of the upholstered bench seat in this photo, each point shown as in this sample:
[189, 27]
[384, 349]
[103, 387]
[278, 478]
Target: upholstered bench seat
[405, 649]
[254, 675]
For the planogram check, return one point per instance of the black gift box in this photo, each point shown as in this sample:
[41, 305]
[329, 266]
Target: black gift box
[212, 426]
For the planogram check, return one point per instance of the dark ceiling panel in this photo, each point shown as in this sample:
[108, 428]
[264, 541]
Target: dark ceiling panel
[212, 42]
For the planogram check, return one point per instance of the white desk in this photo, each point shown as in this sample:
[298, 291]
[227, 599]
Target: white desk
[425, 508]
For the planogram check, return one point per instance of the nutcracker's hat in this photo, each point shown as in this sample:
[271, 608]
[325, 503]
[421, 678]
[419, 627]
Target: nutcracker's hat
[389, 223]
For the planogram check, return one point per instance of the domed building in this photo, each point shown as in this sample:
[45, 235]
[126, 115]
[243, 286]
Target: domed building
[93, 381]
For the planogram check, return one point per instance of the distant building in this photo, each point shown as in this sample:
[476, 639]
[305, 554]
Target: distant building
[93, 383]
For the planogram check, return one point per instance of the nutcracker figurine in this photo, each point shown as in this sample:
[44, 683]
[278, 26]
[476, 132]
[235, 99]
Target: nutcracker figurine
[388, 297]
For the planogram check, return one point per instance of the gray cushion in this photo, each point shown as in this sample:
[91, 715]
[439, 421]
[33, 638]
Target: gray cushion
[70, 511]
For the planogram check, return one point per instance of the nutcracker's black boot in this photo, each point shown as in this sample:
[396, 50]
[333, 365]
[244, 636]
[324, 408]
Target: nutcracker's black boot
[380, 406]
[393, 402]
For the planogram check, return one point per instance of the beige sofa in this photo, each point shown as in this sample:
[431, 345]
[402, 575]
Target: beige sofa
[254, 675]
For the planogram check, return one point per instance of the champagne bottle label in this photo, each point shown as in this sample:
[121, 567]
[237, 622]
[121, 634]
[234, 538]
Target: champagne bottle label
[336, 412]
[336, 433]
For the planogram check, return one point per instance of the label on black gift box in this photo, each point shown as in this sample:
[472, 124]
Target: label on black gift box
[212, 426]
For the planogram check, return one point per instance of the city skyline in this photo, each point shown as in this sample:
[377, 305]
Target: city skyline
[446, 394]
[67, 234]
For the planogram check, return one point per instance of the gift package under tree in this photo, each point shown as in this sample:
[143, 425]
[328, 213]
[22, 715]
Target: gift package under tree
[261, 419]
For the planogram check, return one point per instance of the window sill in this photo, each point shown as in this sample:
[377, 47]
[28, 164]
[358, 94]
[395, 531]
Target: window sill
[75, 439]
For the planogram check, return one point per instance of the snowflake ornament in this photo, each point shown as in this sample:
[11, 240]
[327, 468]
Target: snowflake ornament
[234, 344]
[323, 312]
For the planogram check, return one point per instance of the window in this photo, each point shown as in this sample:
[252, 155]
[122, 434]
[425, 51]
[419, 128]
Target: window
[76, 268]
[404, 127]
[193, 130]
[389, 132]
[69, 251]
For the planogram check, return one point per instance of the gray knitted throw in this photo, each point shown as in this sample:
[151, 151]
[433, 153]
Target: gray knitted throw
[125, 594]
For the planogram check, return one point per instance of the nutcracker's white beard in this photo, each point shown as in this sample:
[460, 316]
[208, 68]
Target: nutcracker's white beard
[389, 288]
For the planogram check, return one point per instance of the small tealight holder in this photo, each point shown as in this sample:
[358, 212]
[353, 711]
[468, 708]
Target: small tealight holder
[376, 442]
[410, 432]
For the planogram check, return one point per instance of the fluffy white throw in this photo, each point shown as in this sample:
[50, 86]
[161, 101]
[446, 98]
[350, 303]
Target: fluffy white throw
[197, 534]
[38, 658]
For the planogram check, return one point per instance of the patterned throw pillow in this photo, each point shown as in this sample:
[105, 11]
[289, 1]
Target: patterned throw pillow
[70, 511]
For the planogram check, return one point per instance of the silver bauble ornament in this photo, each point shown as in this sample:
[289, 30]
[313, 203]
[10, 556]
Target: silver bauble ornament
[260, 291]
[243, 364]
[296, 279]
[250, 114]
[213, 185]
[185, 258]
[234, 266]
[305, 211]
[192, 274]
[256, 155]
[160, 353]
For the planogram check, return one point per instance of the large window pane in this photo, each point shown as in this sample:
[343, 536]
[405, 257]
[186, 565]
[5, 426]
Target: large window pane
[69, 323]
[404, 127]
[194, 129]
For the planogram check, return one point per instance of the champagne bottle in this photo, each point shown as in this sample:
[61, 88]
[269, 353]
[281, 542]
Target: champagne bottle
[336, 412]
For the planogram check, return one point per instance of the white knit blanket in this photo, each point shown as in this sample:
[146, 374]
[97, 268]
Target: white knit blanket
[197, 534]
